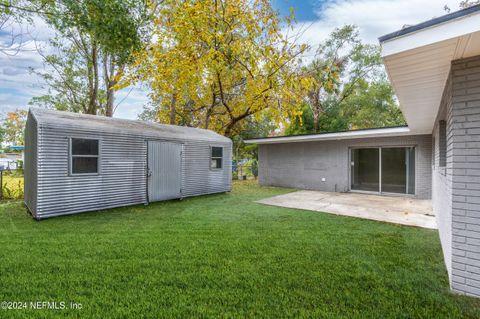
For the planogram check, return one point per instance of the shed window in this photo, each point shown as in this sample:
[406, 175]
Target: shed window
[84, 156]
[217, 157]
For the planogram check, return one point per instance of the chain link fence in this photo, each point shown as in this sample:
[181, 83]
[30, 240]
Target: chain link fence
[11, 181]
[244, 169]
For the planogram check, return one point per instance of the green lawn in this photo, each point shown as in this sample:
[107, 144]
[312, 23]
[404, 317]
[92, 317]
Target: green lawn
[223, 256]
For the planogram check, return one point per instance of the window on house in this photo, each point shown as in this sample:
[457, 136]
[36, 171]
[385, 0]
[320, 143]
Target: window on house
[216, 157]
[442, 144]
[84, 156]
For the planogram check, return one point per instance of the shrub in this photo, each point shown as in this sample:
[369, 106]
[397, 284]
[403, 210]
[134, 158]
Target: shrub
[12, 185]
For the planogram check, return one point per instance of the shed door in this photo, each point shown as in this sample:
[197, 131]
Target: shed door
[164, 170]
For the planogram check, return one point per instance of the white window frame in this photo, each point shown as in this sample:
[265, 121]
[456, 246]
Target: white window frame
[71, 156]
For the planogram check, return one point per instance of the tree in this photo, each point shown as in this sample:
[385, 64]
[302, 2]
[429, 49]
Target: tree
[252, 128]
[372, 105]
[340, 62]
[71, 84]
[217, 63]
[12, 13]
[95, 40]
[13, 127]
[468, 3]
[369, 105]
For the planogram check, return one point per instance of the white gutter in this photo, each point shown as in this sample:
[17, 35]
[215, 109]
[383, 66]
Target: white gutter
[434, 34]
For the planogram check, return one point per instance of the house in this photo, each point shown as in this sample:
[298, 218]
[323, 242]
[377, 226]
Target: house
[434, 68]
[76, 163]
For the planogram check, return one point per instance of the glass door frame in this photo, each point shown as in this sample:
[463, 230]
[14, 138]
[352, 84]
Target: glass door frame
[380, 192]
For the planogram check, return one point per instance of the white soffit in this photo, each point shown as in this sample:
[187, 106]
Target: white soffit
[381, 132]
[418, 65]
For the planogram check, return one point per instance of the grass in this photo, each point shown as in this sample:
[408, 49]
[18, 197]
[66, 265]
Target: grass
[223, 256]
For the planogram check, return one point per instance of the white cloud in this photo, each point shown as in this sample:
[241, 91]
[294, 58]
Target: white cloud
[373, 17]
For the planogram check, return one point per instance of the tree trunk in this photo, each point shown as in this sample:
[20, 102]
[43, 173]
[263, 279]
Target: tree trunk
[316, 115]
[229, 129]
[109, 83]
[234, 120]
[207, 119]
[110, 99]
[209, 112]
[173, 102]
[316, 107]
[93, 79]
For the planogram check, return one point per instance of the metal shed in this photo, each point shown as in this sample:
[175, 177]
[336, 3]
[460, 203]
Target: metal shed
[76, 163]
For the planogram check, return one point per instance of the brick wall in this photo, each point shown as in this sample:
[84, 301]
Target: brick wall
[303, 165]
[463, 168]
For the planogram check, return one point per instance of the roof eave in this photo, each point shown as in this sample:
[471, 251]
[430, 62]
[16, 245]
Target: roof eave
[430, 23]
[369, 133]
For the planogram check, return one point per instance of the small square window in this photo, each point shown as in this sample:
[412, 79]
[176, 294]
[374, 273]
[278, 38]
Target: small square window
[216, 157]
[84, 156]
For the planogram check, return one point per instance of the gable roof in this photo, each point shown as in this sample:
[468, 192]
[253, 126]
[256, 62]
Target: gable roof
[62, 119]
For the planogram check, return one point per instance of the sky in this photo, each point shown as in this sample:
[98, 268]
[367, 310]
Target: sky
[316, 19]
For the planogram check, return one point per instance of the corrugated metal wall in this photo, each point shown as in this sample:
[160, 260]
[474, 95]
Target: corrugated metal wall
[198, 178]
[122, 180]
[30, 164]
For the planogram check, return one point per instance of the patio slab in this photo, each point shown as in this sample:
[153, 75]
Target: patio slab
[391, 209]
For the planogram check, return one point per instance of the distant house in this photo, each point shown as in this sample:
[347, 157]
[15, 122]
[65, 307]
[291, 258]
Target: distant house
[10, 160]
[76, 163]
[434, 68]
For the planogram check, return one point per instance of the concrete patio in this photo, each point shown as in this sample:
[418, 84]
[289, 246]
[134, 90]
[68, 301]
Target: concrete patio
[390, 209]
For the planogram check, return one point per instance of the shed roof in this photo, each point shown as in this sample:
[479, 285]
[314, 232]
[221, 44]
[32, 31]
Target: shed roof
[62, 119]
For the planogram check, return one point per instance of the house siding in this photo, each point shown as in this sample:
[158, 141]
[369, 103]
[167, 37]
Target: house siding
[304, 164]
[463, 172]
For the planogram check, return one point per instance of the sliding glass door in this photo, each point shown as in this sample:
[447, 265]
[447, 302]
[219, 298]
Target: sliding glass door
[383, 169]
[394, 177]
[365, 169]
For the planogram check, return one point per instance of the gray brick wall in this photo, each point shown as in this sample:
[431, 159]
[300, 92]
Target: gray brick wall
[303, 165]
[463, 168]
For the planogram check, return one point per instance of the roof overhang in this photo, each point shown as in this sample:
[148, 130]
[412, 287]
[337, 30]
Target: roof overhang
[418, 60]
[381, 132]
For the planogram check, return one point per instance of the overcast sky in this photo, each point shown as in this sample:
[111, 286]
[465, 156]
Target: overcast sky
[373, 17]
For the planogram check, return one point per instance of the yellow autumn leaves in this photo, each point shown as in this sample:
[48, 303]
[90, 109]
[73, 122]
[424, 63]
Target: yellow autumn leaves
[213, 63]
